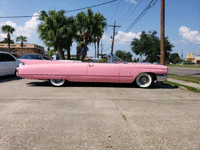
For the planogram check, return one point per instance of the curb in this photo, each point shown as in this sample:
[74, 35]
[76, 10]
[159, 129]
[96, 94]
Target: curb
[187, 83]
[183, 88]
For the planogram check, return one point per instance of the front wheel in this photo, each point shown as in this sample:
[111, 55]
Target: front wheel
[144, 80]
[57, 82]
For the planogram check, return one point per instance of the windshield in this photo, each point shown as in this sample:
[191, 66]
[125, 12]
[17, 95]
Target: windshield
[111, 58]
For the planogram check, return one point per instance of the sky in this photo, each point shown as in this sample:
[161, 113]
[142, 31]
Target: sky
[182, 21]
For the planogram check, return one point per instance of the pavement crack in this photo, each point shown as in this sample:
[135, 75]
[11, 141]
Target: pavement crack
[124, 117]
[139, 140]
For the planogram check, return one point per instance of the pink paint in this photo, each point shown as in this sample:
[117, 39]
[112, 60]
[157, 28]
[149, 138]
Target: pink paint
[86, 72]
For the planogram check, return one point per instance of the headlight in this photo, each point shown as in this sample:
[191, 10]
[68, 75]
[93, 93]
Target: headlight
[21, 64]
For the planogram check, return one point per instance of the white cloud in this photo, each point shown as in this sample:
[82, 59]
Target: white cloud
[27, 30]
[33, 23]
[106, 37]
[128, 37]
[132, 1]
[2, 36]
[189, 35]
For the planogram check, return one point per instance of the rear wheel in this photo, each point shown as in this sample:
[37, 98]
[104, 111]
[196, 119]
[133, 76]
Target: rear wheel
[57, 82]
[144, 80]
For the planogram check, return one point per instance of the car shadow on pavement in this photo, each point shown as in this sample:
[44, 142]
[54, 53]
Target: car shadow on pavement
[9, 78]
[155, 85]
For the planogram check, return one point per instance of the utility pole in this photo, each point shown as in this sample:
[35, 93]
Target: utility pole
[162, 33]
[113, 38]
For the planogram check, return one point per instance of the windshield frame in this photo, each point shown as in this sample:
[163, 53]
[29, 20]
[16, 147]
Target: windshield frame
[112, 57]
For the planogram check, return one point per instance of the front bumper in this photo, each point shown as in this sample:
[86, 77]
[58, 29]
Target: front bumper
[16, 71]
[160, 77]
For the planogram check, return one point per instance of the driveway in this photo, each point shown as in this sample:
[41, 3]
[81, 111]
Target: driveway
[35, 115]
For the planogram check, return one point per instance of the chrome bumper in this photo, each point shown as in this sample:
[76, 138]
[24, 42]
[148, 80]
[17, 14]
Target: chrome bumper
[16, 71]
[160, 77]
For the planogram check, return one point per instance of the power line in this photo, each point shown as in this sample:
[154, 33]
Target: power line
[129, 14]
[92, 6]
[137, 19]
[115, 11]
[65, 11]
[151, 4]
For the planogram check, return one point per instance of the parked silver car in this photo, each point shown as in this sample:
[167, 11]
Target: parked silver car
[8, 64]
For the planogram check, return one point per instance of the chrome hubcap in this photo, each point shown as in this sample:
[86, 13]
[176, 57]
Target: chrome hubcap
[143, 79]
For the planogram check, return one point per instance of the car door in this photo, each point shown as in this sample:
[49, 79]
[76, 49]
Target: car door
[128, 73]
[103, 72]
[8, 64]
[76, 71]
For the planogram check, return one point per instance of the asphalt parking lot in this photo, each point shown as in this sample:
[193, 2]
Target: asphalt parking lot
[35, 115]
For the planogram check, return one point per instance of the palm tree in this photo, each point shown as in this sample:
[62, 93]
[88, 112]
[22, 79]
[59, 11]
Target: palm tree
[89, 26]
[99, 25]
[54, 29]
[69, 35]
[9, 30]
[6, 41]
[22, 39]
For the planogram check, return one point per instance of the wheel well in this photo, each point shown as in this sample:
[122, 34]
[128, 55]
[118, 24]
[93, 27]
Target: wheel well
[153, 75]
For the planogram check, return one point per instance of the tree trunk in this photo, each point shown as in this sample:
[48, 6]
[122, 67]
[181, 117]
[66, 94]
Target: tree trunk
[151, 59]
[98, 48]
[68, 53]
[8, 36]
[22, 47]
[60, 51]
[77, 52]
[95, 55]
[22, 50]
[85, 50]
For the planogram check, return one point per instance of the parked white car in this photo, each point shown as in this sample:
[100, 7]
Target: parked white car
[8, 64]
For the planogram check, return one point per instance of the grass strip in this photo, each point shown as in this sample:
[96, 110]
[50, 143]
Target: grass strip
[184, 66]
[185, 78]
[187, 87]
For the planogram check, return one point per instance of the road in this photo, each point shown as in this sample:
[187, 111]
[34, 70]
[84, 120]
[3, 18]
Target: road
[35, 115]
[195, 72]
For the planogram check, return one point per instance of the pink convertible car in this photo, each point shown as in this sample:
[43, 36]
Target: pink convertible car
[59, 72]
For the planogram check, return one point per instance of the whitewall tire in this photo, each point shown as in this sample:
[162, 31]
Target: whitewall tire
[144, 80]
[57, 82]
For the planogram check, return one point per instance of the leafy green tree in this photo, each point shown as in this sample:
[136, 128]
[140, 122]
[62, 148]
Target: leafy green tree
[22, 39]
[177, 60]
[89, 26]
[149, 45]
[125, 56]
[9, 30]
[135, 59]
[6, 41]
[173, 56]
[51, 52]
[56, 30]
